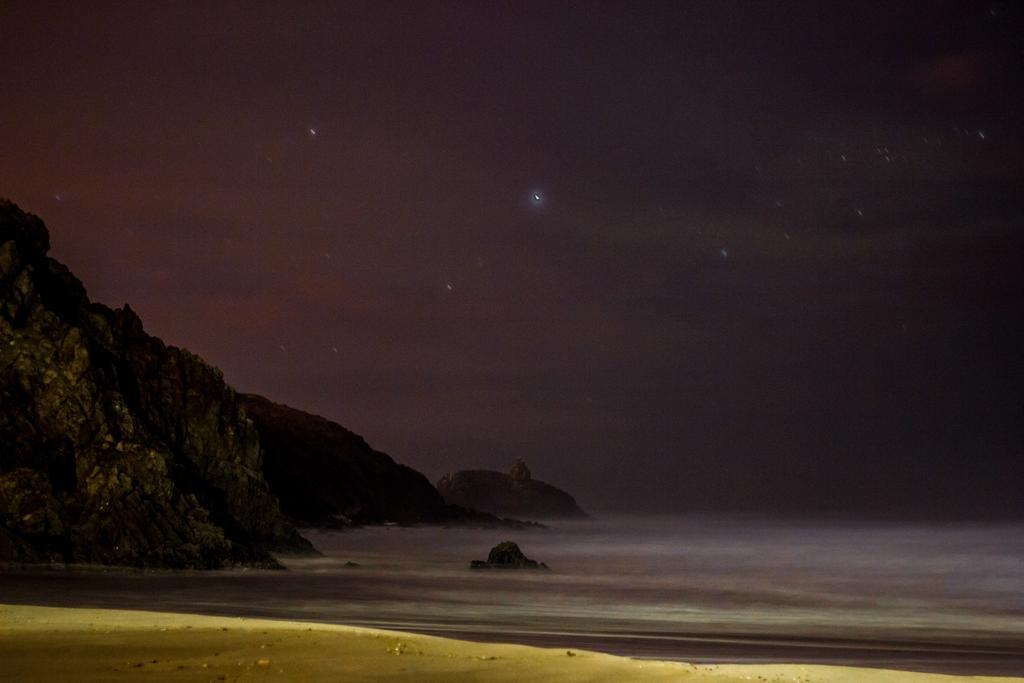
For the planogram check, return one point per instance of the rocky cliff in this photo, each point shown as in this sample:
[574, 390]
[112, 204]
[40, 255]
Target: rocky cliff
[516, 493]
[326, 475]
[115, 448]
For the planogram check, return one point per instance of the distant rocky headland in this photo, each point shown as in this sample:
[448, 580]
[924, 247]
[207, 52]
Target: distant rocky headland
[116, 448]
[516, 494]
[327, 476]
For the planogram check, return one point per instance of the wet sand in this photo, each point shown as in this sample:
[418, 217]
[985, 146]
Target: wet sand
[52, 643]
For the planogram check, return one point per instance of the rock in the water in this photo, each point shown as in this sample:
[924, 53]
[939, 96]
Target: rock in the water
[516, 494]
[115, 448]
[507, 555]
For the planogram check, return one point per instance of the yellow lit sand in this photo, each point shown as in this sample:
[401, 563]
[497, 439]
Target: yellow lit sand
[63, 644]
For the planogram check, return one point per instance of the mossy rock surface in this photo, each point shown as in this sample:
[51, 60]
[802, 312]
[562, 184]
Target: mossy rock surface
[116, 448]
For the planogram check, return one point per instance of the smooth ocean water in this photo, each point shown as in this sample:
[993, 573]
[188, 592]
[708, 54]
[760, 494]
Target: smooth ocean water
[924, 596]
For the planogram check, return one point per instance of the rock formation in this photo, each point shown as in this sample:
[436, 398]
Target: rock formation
[517, 493]
[507, 555]
[115, 448]
[325, 475]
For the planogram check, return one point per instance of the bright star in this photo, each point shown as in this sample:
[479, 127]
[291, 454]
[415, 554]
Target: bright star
[312, 132]
[536, 198]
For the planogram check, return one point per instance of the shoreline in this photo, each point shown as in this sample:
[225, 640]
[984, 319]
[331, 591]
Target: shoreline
[352, 596]
[110, 645]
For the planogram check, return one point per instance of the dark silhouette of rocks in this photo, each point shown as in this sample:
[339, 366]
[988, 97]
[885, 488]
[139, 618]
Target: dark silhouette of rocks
[114, 447]
[324, 475]
[507, 555]
[516, 494]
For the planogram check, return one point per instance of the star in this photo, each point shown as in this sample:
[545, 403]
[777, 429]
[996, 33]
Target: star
[313, 133]
[723, 252]
[448, 286]
[536, 197]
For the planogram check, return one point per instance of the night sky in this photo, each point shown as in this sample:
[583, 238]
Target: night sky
[752, 255]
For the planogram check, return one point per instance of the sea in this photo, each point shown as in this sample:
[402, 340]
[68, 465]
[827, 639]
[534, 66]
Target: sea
[924, 596]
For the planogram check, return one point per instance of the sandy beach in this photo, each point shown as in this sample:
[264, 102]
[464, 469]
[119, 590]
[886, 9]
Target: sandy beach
[65, 644]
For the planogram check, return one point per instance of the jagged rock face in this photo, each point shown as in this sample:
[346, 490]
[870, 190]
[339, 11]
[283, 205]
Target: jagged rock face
[325, 475]
[515, 494]
[115, 448]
